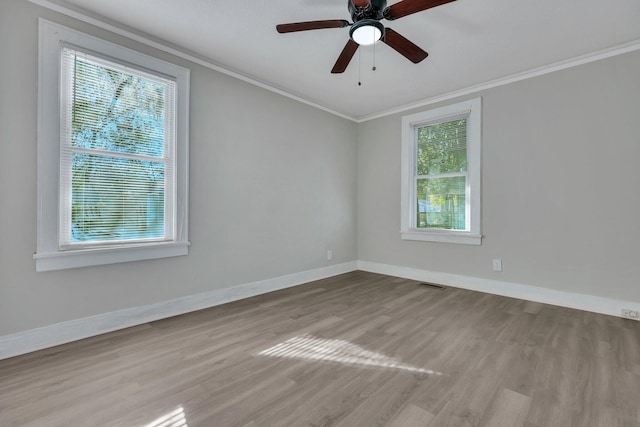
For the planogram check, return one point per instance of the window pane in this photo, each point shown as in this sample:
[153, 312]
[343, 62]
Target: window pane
[441, 203]
[116, 111]
[116, 199]
[442, 148]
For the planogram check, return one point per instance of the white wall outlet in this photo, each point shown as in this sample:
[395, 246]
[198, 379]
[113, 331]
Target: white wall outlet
[329, 255]
[630, 314]
[497, 264]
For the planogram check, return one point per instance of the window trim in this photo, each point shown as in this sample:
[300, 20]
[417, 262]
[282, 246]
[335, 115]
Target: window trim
[49, 255]
[472, 109]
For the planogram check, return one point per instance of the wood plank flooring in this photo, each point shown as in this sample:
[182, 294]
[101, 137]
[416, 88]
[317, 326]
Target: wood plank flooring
[359, 349]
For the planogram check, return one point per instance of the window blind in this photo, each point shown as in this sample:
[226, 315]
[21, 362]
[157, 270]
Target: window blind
[441, 178]
[117, 153]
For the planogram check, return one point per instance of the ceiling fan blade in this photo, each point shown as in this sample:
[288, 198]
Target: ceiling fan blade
[403, 46]
[407, 7]
[345, 57]
[311, 25]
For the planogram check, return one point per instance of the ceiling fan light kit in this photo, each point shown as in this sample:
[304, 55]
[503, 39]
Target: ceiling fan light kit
[367, 29]
[366, 32]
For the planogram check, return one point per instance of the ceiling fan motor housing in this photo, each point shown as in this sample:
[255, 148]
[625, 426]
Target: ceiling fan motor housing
[372, 9]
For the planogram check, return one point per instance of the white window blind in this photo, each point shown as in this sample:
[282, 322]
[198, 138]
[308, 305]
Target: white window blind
[117, 153]
[441, 178]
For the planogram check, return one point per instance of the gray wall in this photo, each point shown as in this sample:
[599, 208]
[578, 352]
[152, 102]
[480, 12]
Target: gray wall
[560, 198]
[275, 183]
[272, 187]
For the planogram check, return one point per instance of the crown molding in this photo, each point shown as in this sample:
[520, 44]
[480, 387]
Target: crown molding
[620, 49]
[181, 53]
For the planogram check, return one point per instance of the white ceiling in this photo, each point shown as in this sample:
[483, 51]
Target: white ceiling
[470, 42]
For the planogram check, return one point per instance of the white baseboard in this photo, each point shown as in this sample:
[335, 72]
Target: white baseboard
[73, 330]
[584, 302]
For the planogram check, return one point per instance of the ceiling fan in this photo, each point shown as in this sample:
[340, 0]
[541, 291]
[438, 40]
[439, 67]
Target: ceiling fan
[366, 28]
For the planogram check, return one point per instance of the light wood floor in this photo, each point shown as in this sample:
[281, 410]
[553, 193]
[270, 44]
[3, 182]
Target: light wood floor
[358, 349]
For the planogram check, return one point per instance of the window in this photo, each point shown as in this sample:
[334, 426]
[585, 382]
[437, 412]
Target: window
[441, 174]
[112, 153]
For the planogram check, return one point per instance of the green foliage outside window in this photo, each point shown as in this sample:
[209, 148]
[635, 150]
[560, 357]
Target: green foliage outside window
[118, 142]
[441, 175]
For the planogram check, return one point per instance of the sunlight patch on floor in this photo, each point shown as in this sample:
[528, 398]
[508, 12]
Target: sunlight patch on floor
[175, 418]
[310, 347]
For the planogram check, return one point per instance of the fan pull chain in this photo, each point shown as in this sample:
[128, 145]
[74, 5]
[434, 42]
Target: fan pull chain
[374, 56]
[359, 67]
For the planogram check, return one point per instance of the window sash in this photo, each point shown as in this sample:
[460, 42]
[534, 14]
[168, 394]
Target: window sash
[69, 56]
[414, 182]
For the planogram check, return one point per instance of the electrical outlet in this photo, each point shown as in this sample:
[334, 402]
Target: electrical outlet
[630, 314]
[497, 264]
[329, 255]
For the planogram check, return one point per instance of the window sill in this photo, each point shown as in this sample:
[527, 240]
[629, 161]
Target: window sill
[443, 237]
[100, 256]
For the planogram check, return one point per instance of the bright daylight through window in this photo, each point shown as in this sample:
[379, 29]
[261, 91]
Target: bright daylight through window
[116, 155]
[119, 143]
[441, 174]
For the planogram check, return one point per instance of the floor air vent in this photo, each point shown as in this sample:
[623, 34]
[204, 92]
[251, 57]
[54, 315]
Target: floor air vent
[432, 285]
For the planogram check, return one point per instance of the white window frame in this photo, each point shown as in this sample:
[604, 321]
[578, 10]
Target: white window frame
[50, 255]
[472, 110]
